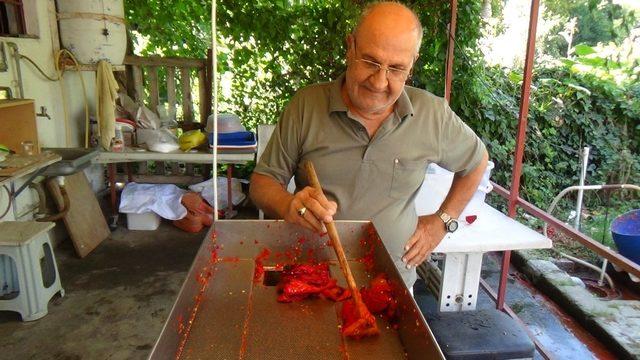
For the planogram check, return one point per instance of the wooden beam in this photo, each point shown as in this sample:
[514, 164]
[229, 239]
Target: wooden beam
[171, 88]
[164, 61]
[137, 83]
[154, 91]
[187, 103]
[208, 83]
[202, 89]
[161, 179]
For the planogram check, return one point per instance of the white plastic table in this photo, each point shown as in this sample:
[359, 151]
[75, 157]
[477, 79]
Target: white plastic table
[231, 157]
[491, 231]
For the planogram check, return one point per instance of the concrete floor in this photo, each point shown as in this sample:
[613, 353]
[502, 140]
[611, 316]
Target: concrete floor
[118, 298]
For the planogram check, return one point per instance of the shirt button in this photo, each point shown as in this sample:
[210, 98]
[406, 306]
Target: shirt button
[396, 161]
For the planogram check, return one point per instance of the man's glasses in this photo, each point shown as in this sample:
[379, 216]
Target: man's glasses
[372, 67]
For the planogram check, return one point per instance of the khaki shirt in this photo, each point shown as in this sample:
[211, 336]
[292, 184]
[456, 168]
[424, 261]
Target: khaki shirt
[370, 178]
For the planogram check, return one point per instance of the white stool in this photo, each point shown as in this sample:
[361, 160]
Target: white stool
[32, 264]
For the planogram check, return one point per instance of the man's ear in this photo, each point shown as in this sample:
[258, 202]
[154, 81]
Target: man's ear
[415, 59]
[349, 40]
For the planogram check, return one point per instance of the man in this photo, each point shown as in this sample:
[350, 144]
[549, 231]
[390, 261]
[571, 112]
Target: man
[371, 138]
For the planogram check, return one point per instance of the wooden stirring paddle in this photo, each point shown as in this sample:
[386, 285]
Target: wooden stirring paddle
[366, 323]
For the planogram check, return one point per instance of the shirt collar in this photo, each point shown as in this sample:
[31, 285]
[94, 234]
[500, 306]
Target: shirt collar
[336, 103]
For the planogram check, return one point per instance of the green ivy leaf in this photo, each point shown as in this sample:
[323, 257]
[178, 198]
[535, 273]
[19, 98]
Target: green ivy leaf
[515, 77]
[583, 50]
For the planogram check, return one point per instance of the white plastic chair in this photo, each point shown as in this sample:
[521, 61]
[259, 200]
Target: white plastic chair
[30, 267]
[264, 134]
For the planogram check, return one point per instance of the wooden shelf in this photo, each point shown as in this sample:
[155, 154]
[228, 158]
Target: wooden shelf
[92, 67]
[39, 161]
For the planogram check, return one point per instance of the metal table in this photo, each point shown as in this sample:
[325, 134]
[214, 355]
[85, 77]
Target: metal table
[223, 313]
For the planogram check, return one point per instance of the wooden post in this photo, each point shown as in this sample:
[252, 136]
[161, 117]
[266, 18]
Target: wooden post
[154, 92]
[187, 105]
[208, 83]
[171, 88]
[202, 89]
[137, 83]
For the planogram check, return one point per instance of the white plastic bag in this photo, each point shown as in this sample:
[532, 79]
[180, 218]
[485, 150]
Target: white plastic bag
[128, 104]
[163, 141]
[162, 199]
[205, 189]
[147, 119]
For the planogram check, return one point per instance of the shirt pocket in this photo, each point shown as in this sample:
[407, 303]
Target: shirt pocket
[407, 177]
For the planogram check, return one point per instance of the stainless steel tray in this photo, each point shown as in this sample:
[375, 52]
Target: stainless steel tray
[222, 313]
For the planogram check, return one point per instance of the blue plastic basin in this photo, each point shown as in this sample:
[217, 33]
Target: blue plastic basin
[625, 230]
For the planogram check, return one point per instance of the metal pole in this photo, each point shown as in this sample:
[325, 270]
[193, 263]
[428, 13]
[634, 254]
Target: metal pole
[583, 174]
[214, 36]
[16, 57]
[448, 76]
[522, 129]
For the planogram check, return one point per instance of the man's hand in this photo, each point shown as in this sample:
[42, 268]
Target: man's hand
[429, 233]
[319, 209]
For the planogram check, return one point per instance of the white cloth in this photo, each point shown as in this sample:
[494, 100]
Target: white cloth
[162, 199]
[205, 189]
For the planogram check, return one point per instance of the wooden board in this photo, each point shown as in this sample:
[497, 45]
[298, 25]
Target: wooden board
[85, 222]
[11, 173]
[18, 124]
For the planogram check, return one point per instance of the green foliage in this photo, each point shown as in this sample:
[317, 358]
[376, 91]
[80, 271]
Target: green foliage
[597, 21]
[269, 49]
[173, 27]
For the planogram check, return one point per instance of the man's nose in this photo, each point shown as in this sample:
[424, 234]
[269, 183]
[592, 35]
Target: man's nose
[379, 79]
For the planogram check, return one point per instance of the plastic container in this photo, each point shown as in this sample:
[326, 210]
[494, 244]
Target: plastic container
[485, 186]
[235, 139]
[439, 175]
[227, 123]
[625, 230]
[144, 221]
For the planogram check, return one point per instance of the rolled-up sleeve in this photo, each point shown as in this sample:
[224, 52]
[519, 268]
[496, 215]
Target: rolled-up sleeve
[461, 150]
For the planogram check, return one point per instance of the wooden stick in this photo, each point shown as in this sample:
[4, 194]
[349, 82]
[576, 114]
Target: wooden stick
[337, 245]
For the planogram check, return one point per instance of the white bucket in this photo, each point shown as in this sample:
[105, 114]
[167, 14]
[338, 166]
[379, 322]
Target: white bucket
[145, 221]
[437, 174]
[93, 30]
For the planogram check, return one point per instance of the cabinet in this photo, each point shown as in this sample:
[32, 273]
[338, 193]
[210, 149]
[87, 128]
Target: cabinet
[18, 124]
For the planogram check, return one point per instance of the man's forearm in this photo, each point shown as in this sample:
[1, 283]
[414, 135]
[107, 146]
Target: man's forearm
[463, 188]
[269, 195]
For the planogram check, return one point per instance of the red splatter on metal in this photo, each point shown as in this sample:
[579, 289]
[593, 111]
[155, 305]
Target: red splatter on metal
[259, 269]
[203, 279]
[180, 327]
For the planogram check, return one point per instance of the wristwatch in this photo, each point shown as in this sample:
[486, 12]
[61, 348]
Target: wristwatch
[450, 224]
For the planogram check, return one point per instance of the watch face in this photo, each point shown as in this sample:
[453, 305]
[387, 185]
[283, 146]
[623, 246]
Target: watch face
[452, 226]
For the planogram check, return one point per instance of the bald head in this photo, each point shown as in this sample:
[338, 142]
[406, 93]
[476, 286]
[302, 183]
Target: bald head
[388, 18]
